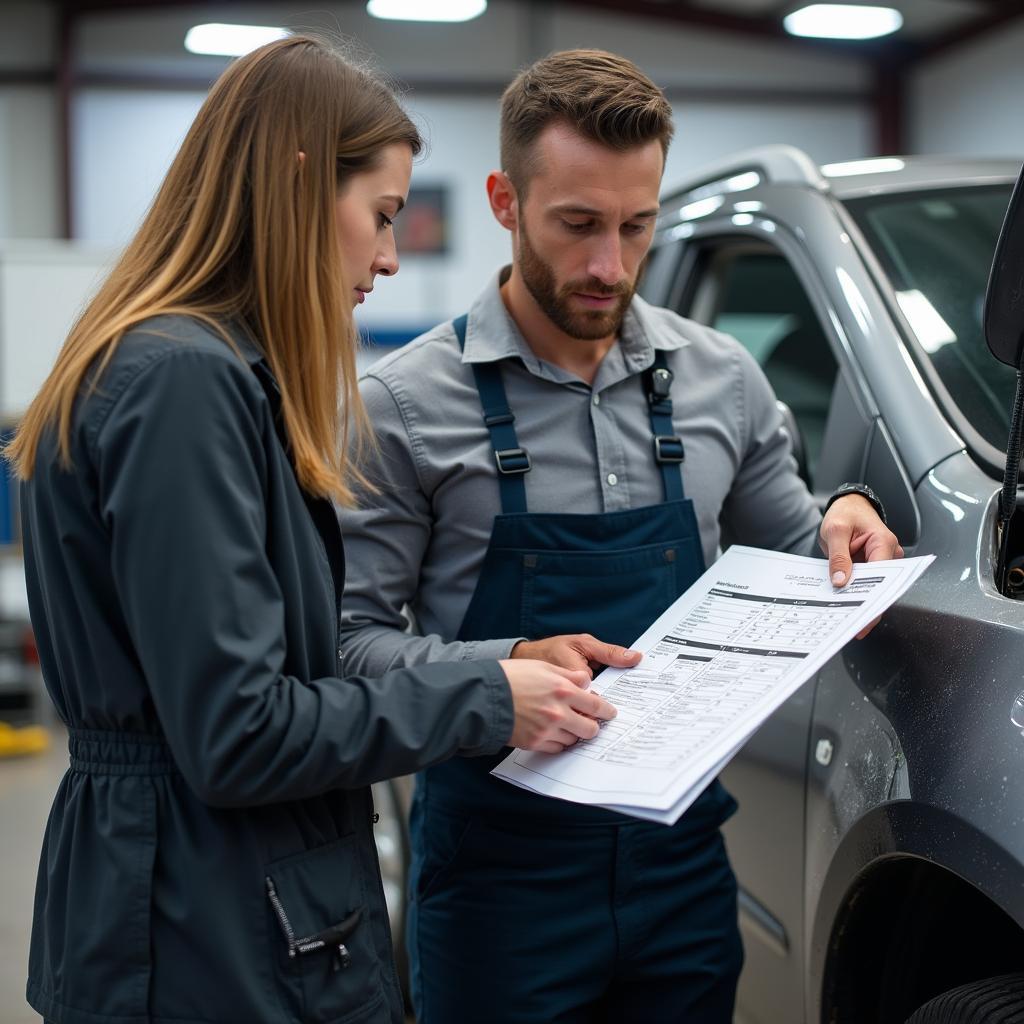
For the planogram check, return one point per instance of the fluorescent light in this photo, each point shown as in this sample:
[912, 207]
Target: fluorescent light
[843, 21]
[230, 40]
[426, 10]
[873, 166]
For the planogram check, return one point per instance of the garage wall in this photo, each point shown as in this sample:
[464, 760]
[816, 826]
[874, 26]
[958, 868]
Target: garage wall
[125, 140]
[968, 102]
[728, 94]
[29, 198]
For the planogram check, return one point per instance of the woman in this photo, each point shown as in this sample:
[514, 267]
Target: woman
[209, 856]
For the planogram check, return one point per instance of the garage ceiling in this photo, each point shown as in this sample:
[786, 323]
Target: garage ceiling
[928, 25]
[931, 28]
[921, 18]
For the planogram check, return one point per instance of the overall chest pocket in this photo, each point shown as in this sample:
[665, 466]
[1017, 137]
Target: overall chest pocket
[322, 932]
[614, 595]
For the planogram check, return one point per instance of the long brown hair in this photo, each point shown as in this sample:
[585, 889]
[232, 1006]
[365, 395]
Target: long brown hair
[241, 230]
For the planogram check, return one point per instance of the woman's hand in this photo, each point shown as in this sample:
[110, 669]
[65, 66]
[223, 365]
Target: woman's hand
[552, 707]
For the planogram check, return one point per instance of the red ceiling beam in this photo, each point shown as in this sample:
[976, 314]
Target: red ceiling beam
[702, 17]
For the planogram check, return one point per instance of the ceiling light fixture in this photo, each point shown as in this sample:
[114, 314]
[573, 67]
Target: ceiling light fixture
[221, 40]
[426, 10]
[843, 21]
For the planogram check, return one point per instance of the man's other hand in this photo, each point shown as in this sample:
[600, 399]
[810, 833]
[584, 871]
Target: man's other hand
[852, 531]
[577, 651]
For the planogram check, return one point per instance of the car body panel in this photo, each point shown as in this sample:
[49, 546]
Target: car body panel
[901, 751]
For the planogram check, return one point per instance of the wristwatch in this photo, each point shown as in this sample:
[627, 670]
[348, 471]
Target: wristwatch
[864, 491]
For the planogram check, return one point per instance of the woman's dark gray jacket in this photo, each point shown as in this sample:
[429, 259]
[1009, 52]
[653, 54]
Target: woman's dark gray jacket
[185, 592]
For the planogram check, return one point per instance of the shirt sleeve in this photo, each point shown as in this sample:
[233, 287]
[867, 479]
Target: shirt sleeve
[768, 506]
[386, 541]
[184, 479]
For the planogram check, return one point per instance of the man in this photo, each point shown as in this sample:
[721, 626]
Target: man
[532, 486]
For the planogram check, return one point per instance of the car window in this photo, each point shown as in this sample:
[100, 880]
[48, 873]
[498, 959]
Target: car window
[936, 249]
[656, 275]
[753, 293]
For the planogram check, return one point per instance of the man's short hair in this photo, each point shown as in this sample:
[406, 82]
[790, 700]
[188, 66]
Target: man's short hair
[604, 97]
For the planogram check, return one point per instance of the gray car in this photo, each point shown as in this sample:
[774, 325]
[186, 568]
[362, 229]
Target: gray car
[880, 839]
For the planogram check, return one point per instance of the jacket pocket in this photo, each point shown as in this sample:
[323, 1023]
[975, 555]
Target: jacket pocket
[324, 930]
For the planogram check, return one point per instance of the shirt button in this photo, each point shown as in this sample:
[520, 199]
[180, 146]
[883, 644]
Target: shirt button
[596, 399]
[612, 479]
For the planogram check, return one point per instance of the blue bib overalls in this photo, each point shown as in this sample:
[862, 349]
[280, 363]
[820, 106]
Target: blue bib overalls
[530, 910]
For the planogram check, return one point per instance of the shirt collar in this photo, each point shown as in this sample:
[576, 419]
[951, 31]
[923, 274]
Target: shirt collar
[492, 334]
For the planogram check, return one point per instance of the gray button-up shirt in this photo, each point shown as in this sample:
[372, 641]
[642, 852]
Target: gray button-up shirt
[417, 545]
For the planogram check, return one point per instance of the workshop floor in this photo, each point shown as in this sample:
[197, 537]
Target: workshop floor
[27, 785]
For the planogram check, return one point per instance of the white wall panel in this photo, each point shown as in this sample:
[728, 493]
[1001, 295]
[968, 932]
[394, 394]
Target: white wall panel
[43, 288]
[123, 143]
[29, 187]
[707, 132]
[968, 102]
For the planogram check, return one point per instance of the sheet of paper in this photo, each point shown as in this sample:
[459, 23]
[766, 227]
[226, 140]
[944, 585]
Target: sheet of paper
[716, 664]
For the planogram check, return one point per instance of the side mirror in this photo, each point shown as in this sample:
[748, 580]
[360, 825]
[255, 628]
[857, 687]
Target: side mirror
[1004, 298]
[1004, 332]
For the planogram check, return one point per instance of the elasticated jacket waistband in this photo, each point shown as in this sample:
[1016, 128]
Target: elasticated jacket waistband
[98, 752]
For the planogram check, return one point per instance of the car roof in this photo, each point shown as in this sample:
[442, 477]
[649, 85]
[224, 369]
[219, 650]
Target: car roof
[782, 164]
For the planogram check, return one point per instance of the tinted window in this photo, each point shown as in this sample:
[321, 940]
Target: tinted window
[760, 301]
[656, 278]
[936, 249]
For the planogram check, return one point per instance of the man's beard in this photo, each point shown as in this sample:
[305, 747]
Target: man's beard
[585, 325]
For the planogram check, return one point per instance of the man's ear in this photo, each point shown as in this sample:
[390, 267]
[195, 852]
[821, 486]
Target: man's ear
[501, 194]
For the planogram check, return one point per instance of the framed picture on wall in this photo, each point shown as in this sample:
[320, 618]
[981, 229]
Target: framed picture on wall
[422, 227]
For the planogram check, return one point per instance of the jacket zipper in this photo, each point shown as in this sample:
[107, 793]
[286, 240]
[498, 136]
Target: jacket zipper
[329, 937]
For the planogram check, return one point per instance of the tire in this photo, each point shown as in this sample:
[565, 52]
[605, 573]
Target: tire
[991, 1001]
[391, 834]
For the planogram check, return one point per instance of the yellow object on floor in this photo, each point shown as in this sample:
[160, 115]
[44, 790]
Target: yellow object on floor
[29, 739]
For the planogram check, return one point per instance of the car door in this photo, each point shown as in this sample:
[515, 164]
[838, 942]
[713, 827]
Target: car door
[749, 288]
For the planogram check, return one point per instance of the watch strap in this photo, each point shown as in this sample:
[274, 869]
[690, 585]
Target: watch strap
[864, 491]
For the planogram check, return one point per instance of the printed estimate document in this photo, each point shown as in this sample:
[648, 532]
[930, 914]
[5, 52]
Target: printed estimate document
[715, 665]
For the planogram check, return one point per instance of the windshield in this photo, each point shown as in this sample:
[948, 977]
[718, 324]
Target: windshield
[936, 248]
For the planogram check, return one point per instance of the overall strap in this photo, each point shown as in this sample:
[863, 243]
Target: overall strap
[512, 460]
[668, 448]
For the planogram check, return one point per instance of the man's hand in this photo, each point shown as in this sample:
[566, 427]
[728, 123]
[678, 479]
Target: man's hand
[577, 651]
[853, 532]
[552, 707]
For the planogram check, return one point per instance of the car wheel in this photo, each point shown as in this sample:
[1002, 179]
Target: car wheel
[991, 1001]
[391, 833]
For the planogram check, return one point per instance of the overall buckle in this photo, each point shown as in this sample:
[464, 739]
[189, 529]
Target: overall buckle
[513, 460]
[668, 448]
